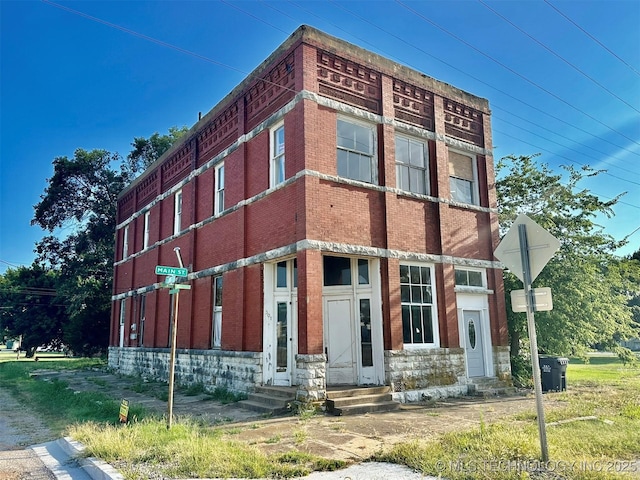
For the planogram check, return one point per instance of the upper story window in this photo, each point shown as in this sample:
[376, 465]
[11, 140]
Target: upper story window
[463, 179]
[145, 238]
[125, 242]
[469, 278]
[417, 297]
[276, 167]
[177, 213]
[412, 161]
[356, 151]
[218, 201]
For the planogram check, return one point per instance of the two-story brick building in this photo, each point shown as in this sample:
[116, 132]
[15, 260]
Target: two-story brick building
[337, 214]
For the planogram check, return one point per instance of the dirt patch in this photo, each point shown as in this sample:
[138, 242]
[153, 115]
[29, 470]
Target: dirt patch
[19, 428]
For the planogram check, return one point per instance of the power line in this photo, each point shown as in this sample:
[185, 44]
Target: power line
[566, 158]
[141, 35]
[590, 147]
[254, 16]
[591, 36]
[557, 55]
[564, 146]
[207, 59]
[506, 67]
[493, 87]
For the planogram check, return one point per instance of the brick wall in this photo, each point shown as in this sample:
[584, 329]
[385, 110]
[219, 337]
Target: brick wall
[310, 207]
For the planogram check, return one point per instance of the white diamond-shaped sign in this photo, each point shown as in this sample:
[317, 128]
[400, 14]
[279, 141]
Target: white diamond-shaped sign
[542, 247]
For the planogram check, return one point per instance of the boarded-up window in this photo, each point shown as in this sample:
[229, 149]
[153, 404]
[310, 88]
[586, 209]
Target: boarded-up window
[460, 166]
[461, 178]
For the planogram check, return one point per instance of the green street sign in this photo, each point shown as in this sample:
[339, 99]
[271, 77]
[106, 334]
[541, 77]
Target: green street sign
[178, 272]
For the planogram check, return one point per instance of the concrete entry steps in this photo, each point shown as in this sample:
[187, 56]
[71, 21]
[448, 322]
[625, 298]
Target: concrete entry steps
[490, 387]
[270, 400]
[358, 400]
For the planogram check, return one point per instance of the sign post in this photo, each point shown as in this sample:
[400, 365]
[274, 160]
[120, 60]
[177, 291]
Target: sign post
[172, 357]
[525, 250]
[174, 289]
[533, 340]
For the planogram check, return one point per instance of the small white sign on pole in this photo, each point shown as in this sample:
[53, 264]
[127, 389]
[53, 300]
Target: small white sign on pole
[541, 298]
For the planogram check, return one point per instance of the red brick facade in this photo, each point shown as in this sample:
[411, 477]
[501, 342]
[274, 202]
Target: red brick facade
[310, 82]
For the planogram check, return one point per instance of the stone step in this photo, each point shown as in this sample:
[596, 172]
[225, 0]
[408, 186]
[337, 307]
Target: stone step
[288, 393]
[333, 403]
[490, 387]
[366, 408]
[269, 400]
[356, 391]
[262, 408]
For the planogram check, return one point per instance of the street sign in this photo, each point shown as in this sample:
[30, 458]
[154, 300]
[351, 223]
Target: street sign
[176, 288]
[178, 272]
[170, 280]
[542, 246]
[541, 298]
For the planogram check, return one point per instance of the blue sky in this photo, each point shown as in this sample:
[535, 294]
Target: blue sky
[562, 79]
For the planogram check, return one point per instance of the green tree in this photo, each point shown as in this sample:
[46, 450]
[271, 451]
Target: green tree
[31, 307]
[147, 150]
[81, 198]
[589, 306]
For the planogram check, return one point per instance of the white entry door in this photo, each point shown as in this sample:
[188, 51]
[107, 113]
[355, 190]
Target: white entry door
[474, 345]
[280, 322]
[285, 310]
[339, 341]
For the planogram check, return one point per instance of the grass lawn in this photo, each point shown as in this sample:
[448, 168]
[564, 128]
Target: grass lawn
[604, 447]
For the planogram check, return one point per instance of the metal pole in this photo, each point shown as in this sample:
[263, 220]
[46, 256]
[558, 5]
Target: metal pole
[528, 292]
[174, 337]
[172, 360]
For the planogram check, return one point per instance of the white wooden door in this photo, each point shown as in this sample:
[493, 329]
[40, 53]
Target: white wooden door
[339, 341]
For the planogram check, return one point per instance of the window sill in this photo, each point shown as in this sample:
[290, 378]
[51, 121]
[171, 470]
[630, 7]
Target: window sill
[476, 290]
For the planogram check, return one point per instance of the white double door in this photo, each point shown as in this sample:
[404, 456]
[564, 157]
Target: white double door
[353, 336]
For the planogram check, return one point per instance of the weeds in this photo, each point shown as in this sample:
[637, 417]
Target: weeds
[604, 388]
[225, 396]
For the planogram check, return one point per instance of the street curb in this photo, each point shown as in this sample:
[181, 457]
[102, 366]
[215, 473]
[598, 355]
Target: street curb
[95, 468]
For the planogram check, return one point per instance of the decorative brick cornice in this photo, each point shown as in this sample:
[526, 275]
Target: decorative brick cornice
[349, 82]
[463, 122]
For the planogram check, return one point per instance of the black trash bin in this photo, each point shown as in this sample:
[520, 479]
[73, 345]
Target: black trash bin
[553, 372]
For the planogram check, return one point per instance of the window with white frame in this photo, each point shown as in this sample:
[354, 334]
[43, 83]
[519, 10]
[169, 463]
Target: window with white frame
[277, 174]
[177, 214]
[462, 177]
[419, 316]
[218, 201]
[145, 238]
[469, 278]
[143, 307]
[356, 151]
[216, 334]
[125, 242]
[412, 165]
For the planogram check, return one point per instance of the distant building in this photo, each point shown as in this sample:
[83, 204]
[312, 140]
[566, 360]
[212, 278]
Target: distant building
[337, 214]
